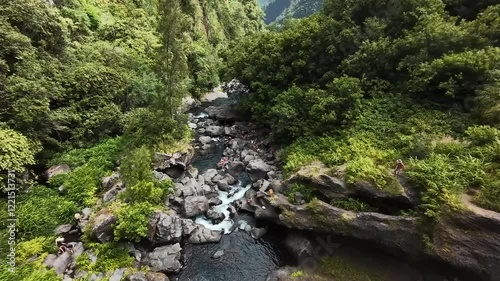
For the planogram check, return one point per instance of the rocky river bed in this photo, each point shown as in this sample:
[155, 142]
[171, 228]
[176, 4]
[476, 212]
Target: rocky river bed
[223, 223]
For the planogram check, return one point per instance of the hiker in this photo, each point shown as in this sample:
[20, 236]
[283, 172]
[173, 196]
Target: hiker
[271, 192]
[223, 162]
[399, 167]
[249, 201]
[78, 218]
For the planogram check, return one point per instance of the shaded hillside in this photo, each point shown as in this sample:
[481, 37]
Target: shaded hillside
[277, 10]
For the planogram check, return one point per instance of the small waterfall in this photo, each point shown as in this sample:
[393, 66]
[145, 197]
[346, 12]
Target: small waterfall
[237, 192]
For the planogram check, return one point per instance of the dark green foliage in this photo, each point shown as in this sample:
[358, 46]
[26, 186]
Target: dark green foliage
[306, 191]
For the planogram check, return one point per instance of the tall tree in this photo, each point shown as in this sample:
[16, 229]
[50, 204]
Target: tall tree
[172, 62]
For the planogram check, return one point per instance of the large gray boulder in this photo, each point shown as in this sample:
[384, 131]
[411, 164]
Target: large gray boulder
[57, 170]
[138, 276]
[227, 112]
[257, 169]
[214, 131]
[214, 216]
[192, 188]
[165, 259]
[164, 228]
[109, 181]
[471, 241]
[113, 193]
[102, 228]
[204, 235]
[58, 263]
[156, 276]
[235, 168]
[209, 175]
[194, 206]
[117, 275]
[205, 139]
[173, 165]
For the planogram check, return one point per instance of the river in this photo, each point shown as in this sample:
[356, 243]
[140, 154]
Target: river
[240, 257]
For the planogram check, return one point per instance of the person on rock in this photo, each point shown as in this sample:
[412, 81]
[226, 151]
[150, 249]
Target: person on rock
[399, 167]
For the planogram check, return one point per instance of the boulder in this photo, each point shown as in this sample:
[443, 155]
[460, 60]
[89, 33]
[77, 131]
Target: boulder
[164, 228]
[248, 158]
[215, 216]
[159, 176]
[299, 245]
[138, 276]
[204, 235]
[165, 259]
[63, 229]
[109, 181]
[218, 254]
[237, 144]
[188, 226]
[470, 241]
[209, 175]
[194, 206]
[257, 169]
[86, 213]
[58, 263]
[173, 165]
[204, 139]
[257, 233]
[217, 178]
[229, 179]
[235, 168]
[214, 131]
[192, 188]
[192, 172]
[57, 170]
[156, 276]
[113, 193]
[102, 228]
[223, 186]
[230, 131]
[214, 201]
[226, 113]
[117, 275]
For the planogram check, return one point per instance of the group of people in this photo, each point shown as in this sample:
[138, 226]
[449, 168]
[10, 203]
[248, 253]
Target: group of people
[61, 244]
[223, 163]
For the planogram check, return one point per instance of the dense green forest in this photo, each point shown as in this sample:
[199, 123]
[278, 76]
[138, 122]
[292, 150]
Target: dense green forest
[363, 83]
[89, 82]
[97, 84]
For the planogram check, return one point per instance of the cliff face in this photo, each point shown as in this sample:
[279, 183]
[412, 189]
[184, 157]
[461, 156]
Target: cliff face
[468, 240]
[277, 10]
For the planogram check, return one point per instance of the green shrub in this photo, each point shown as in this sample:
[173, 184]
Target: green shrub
[132, 223]
[352, 204]
[489, 197]
[29, 271]
[306, 191]
[471, 171]
[41, 210]
[144, 191]
[82, 184]
[482, 135]
[110, 256]
[137, 166]
[341, 270]
[103, 155]
[438, 180]
[34, 247]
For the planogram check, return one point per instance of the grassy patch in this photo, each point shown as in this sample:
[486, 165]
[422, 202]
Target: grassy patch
[352, 204]
[306, 190]
[110, 256]
[341, 270]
